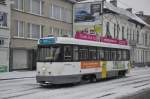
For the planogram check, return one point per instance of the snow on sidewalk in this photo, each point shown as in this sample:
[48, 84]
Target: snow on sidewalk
[17, 75]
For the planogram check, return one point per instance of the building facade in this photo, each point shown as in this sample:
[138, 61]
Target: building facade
[125, 25]
[33, 19]
[99, 20]
[4, 34]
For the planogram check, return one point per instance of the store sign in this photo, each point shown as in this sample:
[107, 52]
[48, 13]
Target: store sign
[88, 32]
[113, 41]
[85, 36]
[45, 41]
[3, 68]
[96, 8]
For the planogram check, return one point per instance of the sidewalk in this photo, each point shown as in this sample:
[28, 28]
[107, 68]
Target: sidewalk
[17, 75]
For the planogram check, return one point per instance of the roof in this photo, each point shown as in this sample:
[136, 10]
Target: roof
[124, 12]
[67, 40]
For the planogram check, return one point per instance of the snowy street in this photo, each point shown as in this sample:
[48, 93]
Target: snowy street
[27, 88]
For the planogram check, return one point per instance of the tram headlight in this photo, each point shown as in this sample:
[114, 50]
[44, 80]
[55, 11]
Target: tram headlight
[43, 68]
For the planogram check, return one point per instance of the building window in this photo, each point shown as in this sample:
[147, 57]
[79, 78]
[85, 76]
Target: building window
[50, 10]
[118, 30]
[18, 4]
[146, 38]
[123, 36]
[19, 27]
[34, 31]
[63, 14]
[50, 31]
[3, 2]
[3, 19]
[68, 16]
[133, 36]
[37, 7]
[1, 42]
[56, 12]
[33, 6]
[56, 31]
[128, 33]
[108, 30]
[60, 13]
[137, 36]
[114, 30]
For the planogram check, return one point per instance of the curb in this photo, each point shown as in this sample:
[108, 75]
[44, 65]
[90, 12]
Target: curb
[16, 78]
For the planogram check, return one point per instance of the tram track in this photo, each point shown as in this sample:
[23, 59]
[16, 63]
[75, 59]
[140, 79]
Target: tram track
[104, 87]
[75, 92]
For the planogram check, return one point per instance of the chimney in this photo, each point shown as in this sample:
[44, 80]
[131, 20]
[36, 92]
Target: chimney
[114, 2]
[129, 9]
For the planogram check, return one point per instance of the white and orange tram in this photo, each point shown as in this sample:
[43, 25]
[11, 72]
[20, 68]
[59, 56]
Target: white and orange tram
[64, 60]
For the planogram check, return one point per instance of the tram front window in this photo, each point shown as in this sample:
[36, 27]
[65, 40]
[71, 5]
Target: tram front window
[49, 53]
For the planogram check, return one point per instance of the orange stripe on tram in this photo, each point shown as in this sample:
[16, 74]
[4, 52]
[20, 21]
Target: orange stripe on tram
[90, 64]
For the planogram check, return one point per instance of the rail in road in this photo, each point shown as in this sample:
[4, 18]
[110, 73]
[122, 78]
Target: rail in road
[136, 81]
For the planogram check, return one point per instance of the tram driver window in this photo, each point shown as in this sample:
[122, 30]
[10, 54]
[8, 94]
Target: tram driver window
[67, 53]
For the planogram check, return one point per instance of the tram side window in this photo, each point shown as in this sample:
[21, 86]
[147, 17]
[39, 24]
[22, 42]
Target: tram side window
[107, 54]
[128, 54]
[67, 53]
[113, 54]
[100, 53]
[92, 53]
[124, 55]
[75, 53]
[83, 53]
[119, 56]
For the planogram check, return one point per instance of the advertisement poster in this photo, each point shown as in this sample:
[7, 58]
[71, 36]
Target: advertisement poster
[87, 21]
[88, 32]
[87, 12]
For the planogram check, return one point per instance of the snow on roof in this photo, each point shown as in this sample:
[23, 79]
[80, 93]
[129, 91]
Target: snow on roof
[124, 12]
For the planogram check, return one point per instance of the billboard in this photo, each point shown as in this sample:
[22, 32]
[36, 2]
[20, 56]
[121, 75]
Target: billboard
[88, 20]
[87, 12]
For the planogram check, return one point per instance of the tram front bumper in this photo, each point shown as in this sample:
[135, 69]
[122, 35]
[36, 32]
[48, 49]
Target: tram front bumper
[58, 79]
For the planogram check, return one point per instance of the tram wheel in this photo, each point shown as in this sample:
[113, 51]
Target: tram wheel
[92, 78]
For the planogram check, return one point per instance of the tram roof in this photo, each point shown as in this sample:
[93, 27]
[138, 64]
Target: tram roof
[67, 40]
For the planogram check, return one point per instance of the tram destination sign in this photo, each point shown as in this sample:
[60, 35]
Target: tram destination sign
[49, 40]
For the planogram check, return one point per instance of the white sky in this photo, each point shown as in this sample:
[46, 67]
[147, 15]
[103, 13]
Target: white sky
[137, 5]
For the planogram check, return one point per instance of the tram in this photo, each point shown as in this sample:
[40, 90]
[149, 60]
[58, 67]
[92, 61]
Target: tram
[63, 60]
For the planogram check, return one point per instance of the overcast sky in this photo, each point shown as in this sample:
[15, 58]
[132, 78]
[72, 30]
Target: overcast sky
[138, 5]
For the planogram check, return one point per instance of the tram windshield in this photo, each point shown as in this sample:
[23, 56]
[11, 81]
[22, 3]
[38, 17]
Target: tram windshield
[48, 53]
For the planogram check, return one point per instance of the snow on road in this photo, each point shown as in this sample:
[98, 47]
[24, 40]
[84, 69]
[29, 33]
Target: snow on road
[27, 88]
